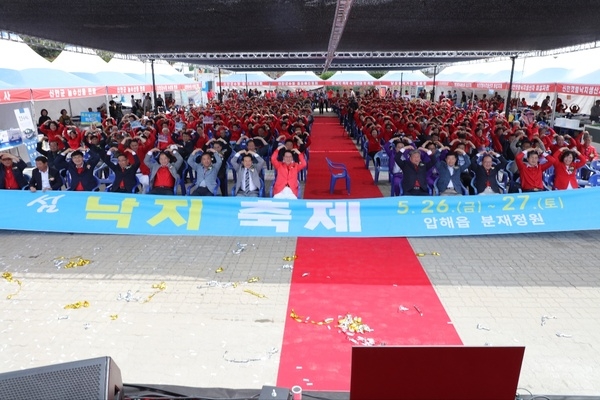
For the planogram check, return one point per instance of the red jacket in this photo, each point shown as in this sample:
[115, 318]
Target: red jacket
[563, 175]
[531, 177]
[287, 175]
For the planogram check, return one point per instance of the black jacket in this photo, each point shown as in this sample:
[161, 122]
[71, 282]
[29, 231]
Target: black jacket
[54, 177]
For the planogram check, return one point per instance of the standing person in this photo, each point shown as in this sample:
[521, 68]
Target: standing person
[44, 117]
[163, 173]
[248, 174]
[44, 177]
[160, 104]
[147, 104]
[11, 172]
[286, 183]
[594, 112]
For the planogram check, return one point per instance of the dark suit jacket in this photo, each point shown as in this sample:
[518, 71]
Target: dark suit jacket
[17, 170]
[482, 177]
[412, 174]
[128, 176]
[86, 177]
[53, 175]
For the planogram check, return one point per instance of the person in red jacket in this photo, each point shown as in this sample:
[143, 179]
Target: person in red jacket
[53, 131]
[286, 183]
[531, 170]
[565, 168]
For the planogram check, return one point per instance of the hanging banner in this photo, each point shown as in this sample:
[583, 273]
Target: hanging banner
[67, 93]
[406, 216]
[14, 95]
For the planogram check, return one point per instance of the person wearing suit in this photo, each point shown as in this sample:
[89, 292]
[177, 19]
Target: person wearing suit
[248, 173]
[448, 183]
[125, 174]
[11, 172]
[414, 172]
[82, 172]
[206, 171]
[486, 174]
[44, 177]
[286, 183]
[163, 173]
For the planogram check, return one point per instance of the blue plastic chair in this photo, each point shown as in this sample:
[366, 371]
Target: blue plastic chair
[594, 180]
[382, 163]
[338, 171]
[396, 186]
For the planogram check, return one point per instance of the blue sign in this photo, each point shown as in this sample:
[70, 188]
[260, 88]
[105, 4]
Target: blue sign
[90, 118]
[116, 213]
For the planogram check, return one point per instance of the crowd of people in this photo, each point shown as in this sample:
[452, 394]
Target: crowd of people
[185, 150]
[442, 147]
[433, 147]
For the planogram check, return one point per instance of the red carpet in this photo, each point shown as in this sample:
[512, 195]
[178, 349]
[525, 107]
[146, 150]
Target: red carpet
[329, 140]
[368, 278]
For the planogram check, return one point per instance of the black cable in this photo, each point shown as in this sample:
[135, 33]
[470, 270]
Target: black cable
[160, 395]
[315, 397]
[188, 398]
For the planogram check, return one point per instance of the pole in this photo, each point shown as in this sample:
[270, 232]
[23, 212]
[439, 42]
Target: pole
[554, 105]
[433, 90]
[153, 81]
[401, 85]
[220, 88]
[512, 71]
[246, 75]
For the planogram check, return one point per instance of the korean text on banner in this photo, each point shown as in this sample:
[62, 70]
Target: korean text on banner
[109, 213]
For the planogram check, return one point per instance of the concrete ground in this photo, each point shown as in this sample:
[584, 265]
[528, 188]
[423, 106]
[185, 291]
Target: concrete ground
[197, 333]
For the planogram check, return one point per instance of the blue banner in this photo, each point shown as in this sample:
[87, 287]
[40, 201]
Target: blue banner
[116, 213]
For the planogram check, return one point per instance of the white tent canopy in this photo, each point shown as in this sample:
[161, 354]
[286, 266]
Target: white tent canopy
[249, 80]
[351, 78]
[395, 77]
[93, 68]
[306, 80]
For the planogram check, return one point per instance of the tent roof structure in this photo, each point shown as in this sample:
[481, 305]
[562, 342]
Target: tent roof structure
[309, 35]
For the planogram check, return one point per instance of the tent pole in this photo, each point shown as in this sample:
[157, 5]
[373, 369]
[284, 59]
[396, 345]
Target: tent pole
[554, 106]
[220, 88]
[507, 104]
[153, 81]
[106, 100]
[401, 85]
[433, 90]
[32, 106]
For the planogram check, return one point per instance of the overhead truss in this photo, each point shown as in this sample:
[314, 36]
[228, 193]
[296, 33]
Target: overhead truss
[323, 55]
[319, 66]
[342, 11]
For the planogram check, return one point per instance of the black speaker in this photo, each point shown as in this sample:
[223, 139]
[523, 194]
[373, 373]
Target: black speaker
[93, 379]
